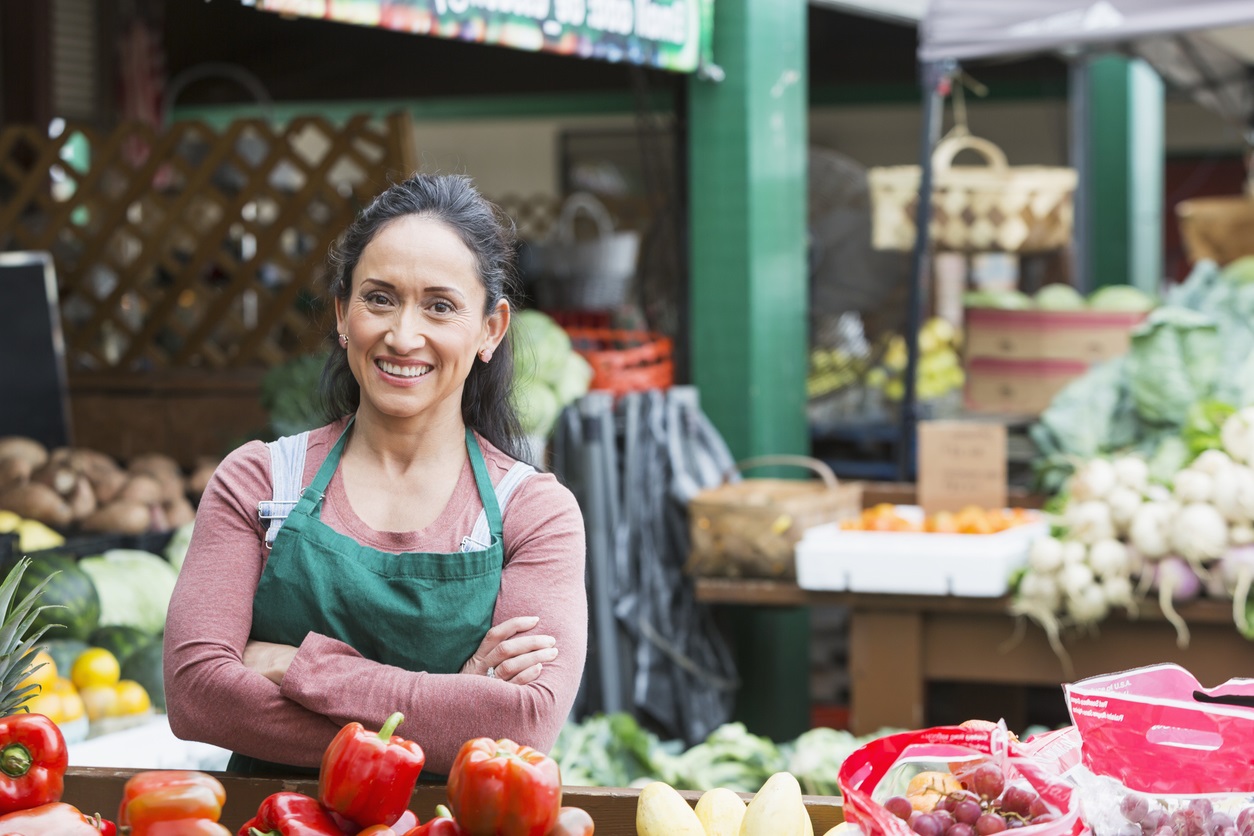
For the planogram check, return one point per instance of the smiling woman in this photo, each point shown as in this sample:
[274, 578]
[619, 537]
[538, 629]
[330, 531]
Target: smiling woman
[424, 568]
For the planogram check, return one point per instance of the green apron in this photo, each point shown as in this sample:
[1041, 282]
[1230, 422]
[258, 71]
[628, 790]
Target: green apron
[421, 611]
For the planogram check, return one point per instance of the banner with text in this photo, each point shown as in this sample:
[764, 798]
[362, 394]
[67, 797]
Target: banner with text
[668, 34]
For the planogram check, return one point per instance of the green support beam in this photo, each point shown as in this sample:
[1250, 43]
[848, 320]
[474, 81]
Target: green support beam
[749, 292]
[1125, 144]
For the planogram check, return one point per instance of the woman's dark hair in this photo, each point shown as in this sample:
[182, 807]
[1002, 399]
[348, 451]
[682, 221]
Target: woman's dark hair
[489, 235]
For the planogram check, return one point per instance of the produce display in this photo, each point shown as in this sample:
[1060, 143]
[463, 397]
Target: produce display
[969, 520]
[1063, 297]
[881, 368]
[549, 373]
[88, 491]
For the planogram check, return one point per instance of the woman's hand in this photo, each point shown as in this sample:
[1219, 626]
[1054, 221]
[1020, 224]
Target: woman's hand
[269, 659]
[512, 657]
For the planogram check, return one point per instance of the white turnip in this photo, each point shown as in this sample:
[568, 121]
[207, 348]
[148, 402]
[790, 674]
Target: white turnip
[1176, 582]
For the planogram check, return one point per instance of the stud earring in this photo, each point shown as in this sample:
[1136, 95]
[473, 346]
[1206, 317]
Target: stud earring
[343, 340]
[485, 355]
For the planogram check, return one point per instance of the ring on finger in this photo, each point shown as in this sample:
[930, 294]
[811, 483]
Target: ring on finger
[491, 674]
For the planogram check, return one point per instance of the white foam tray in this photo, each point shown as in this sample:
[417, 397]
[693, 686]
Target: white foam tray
[913, 563]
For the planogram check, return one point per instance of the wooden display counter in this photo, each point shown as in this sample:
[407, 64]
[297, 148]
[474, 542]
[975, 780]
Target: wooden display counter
[898, 644]
[94, 789]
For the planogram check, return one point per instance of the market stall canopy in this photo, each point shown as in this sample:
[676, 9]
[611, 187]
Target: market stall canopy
[904, 11]
[667, 34]
[1205, 47]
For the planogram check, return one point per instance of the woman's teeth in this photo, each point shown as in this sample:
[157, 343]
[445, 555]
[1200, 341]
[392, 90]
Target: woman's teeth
[402, 371]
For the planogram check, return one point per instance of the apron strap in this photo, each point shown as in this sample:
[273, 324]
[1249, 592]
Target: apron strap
[480, 536]
[487, 494]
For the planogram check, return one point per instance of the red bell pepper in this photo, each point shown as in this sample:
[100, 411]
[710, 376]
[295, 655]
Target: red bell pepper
[107, 828]
[499, 788]
[53, 819]
[442, 825]
[33, 759]
[291, 814]
[187, 794]
[573, 821]
[369, 778]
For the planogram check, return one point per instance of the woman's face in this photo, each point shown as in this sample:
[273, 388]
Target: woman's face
[414, 319]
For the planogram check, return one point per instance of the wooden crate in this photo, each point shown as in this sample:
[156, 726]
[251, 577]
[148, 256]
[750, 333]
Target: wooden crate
[93, 789]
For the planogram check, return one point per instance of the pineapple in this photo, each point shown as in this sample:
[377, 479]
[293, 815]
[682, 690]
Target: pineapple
[17, 654]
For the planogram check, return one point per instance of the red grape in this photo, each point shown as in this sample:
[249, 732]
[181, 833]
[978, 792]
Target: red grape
[1165, 829]
[1039, 808]
[945, 802]
[960, 829]
[899, 807]
[967, 811]
[1227, 831]
[988, 781]
[945, 819]
[1133, 807]
[1202, 808]
[1245, 820]
[927, 825]
[1154, 819]
[1221, 821]
[989, 823]
[1042, 818]
[1017, 800]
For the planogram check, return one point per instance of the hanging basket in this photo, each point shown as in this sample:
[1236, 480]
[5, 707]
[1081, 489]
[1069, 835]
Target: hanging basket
[585, 273]
[1217, 228]
[750, 528]
[1017, 209]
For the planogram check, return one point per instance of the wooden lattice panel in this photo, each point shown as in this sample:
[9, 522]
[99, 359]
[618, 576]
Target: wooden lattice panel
[193, 248]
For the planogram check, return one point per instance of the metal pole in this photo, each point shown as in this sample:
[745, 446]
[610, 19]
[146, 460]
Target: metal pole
[936, 76]
[1078, 100]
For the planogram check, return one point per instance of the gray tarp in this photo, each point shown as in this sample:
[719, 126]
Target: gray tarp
[1205, 47]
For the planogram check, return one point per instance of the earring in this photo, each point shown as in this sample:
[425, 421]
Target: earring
[485, 355]
[343, 340]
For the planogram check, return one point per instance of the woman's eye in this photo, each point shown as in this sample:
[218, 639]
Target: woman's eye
[442, 306]
[376, 299]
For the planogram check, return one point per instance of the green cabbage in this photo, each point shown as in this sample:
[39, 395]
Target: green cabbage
[1174, 361]
[541, 346]
[537, 406]
[1121, 297]
[135, 588]
[1059, 297]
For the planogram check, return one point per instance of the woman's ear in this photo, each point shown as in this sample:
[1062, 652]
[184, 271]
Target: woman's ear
[497, 325]
[339, 315]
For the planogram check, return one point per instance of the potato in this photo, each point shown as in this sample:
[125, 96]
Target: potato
[155, 464]
[200, 477]
[108, 484]
[58, 475]
[14, 471]
[82, 500]
[37, 502]
[21, 447]
[178, 512]
[121, 516]
[142, 488]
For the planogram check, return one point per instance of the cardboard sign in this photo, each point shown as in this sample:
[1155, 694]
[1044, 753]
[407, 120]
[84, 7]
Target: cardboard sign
[961, 463]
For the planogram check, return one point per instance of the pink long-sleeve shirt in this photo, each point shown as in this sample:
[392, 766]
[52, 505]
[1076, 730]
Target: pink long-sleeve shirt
[212, 697]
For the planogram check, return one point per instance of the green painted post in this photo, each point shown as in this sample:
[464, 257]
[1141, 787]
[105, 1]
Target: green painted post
[749, 290]
[1125, 173]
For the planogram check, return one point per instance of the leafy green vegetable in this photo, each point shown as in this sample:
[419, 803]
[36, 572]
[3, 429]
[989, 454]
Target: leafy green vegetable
[1122, 298]
[548, 372]
[1202, 425]
[1007, 300]
[606, 750]
[1058, 297]
[135, 587]
[1174, 361]
[289, 392]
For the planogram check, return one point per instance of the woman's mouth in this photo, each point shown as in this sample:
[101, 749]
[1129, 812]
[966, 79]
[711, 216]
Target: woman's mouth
[401, 371]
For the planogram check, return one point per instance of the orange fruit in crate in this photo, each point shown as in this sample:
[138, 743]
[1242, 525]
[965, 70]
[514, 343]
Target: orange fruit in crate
[942, 522]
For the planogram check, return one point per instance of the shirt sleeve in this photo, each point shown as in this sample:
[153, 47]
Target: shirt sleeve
[210, 695]
[543, 576]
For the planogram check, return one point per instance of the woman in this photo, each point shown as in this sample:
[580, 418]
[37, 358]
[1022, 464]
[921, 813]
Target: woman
[423, 568]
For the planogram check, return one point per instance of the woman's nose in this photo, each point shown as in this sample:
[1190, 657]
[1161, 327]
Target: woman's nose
[408, 330]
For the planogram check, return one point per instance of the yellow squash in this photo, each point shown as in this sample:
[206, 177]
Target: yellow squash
[777, 809]
[662, 811]
[721, 812]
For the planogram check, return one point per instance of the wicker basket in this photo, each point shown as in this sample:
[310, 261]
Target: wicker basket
[1016, 209]
[750, 528]
[1217, 228]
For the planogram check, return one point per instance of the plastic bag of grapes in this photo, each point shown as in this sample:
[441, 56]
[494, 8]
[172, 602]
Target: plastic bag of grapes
[954, 781]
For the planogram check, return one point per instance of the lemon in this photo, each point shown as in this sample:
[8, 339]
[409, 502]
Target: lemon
[47, 704]
[71, 706]
[45, 677]
[132, 698]
[95, 666]
[99, 701]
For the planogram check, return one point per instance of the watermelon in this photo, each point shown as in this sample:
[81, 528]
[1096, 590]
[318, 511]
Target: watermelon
[71, 595]
[144, 666]
[119, 639]
[64, 652]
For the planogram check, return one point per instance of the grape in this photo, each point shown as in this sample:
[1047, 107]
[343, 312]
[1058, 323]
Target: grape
[1133, 807]
[946, 802]
[961, 829]
[1017, 800]
[1153, 820]
[945, 819]
[1245, 820]
[1039, 808]
[1013, 822]
[899, 807]
[988, 781]
[1221, 821]
[1042, 818]
[1201, 807]
[989, 823]
[927, 825]
[967, 811]
[1165, 829]
[1228, 831]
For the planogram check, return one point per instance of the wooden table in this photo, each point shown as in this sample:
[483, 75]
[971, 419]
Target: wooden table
[898, 644]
